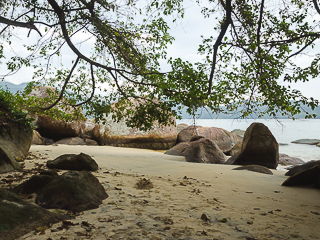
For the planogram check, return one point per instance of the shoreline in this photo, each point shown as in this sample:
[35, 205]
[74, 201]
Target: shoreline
[188, 200]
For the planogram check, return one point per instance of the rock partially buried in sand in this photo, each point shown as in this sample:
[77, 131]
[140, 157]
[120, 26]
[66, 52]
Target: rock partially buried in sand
[307, 177]
[73, 190]
[199, 150]
[73, 162]
[255, 168]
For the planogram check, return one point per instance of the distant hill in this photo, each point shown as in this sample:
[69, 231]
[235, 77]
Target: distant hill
[13, 88]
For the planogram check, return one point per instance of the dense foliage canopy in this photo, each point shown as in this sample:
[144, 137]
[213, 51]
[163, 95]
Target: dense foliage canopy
[117, 46]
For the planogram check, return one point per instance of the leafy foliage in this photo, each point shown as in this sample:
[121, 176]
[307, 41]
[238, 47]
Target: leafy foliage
[11, 111]
[117, 46]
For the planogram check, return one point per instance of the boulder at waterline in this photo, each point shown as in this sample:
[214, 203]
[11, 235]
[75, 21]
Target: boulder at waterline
[307, 141]
[299, 168]
[287, 160]
[18, 217]
[201, 150]
[15, 142]
[73, 190]
[259, 147]
[76, 162]
[306, 177]
[224, 139]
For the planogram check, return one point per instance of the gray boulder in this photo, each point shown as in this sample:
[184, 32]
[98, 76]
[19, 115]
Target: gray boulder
[73, 190]
[224, 139]
[76, 162]
[287, 160]
[19, 217]
[259, 147]
[199, 150]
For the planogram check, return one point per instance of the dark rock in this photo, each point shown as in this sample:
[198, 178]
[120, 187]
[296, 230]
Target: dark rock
[18, 217]
[299, 168]
[307, 141]
[71, 141]
[73, 162]
[73, 190]
[15, 142]
[202, 150]
[287, 160]
[255, 168]
[259, 147]
[224, 139]
[35, 183]
[309, 177]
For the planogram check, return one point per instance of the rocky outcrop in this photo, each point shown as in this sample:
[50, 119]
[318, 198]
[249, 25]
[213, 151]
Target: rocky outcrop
[37, 139]
[58, 129]
[238, 132]
[199, 150]
[307, 141]
[287, 160]
[15, 142]
[73, 162]
[224, 139]
[73, 190]
[119, 135]
[259, 147]
[19, 217]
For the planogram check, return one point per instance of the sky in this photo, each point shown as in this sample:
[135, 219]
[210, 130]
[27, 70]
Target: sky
[187, 32]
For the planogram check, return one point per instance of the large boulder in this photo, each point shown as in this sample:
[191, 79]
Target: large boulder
[259, 147]
[18, 217]
[15, 142]
[223, 138]
[118, 134]
[199, 150]
[73, 190]
[76, 162]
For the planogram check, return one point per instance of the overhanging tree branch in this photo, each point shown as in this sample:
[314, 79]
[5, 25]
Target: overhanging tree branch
[218, 42]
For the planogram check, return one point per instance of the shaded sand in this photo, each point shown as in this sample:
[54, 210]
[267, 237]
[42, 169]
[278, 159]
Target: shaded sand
[187, 201]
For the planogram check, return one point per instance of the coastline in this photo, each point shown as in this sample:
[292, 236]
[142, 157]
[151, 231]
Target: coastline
[188, 200]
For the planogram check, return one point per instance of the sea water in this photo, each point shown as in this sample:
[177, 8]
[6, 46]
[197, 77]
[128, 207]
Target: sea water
[284, 130]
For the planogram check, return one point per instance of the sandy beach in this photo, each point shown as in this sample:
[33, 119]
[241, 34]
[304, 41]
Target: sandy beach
[187, 200]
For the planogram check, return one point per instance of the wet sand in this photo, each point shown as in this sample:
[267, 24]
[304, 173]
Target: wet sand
[187, 201]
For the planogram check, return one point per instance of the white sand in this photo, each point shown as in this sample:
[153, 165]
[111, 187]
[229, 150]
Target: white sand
[254, 205]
